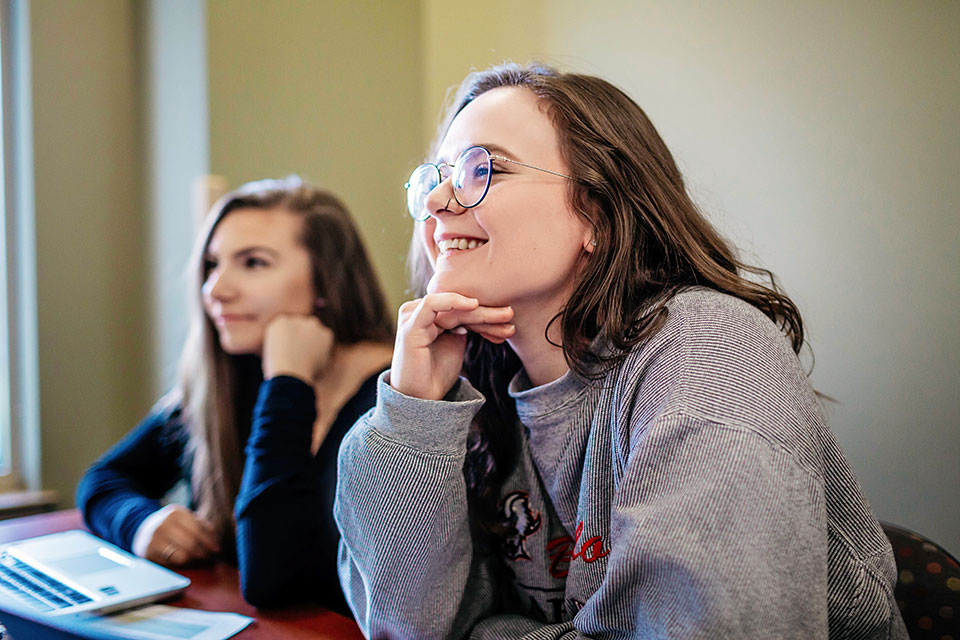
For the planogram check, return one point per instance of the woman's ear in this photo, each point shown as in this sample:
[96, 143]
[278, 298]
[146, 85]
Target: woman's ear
[588, 238]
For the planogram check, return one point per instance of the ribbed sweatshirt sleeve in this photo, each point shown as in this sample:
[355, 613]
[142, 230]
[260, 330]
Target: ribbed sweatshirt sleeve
[124, 486]
[406, 554]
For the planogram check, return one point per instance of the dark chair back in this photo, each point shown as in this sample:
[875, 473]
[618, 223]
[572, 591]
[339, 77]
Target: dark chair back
[928, 585]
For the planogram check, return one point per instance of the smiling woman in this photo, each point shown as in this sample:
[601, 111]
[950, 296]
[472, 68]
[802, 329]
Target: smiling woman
[289, 331]
[595, 421]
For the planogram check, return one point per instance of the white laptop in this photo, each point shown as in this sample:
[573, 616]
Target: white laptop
[74, 571]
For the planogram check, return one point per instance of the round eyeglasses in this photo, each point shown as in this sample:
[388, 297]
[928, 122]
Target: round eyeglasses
[470, 178]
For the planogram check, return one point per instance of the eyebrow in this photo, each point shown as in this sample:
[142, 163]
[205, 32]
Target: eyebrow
[242, 253]
[497, 150]
[494, 149]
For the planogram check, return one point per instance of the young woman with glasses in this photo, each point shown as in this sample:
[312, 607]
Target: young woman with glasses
[289, 332]
[595, 423]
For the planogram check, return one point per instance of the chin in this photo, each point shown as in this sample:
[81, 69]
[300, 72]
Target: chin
[233, 347]
[443, 283]
[233, 350]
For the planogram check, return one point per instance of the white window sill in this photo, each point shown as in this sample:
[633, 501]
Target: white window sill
[14, 504]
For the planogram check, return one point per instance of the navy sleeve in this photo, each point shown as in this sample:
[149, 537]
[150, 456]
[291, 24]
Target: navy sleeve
[286, 536]
[125, 485]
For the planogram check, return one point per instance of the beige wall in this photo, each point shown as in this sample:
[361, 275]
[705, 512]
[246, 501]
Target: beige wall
[824, 138]
[90, 266]
[327, 90]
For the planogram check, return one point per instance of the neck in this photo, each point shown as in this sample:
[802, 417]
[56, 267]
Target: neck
[542, 361]
[349, 367]
[351, 364]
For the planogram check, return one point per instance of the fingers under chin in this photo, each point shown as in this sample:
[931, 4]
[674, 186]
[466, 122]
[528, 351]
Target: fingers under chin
[501, 331]
[440, 302]
[409, 307]
[496, 339]
[446, 321]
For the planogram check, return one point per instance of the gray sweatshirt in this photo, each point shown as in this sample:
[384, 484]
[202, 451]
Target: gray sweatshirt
[694, 492]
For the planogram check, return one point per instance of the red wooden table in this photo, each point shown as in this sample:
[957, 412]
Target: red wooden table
[215, 588]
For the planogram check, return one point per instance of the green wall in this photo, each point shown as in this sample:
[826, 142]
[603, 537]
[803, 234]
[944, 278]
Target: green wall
[460, 37]
[89, 232]
[327, 90]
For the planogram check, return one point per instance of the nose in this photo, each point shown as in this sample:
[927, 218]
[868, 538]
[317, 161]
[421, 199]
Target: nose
[217, 286]
[442, 200]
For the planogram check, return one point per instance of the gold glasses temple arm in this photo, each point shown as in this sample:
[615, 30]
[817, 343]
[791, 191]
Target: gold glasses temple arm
[530, 166]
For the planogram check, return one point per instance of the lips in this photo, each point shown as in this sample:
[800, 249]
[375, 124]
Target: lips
[230, 318]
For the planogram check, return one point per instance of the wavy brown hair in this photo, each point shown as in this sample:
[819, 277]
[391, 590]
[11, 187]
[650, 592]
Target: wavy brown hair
[652, 242]
[216, 390]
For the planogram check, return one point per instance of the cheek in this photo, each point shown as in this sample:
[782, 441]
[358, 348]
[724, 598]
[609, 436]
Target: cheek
[425, 231]
[546, 248]
[296, 297]
[208, 304]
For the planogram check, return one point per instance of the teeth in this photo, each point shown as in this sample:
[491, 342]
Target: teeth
[460, 244]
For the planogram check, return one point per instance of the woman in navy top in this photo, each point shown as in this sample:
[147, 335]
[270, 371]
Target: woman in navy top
[289, 331]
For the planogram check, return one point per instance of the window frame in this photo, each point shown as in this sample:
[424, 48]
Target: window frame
[19, 369]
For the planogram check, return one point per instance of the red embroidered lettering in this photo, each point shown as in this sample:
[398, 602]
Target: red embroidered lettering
[595, 545]
[563, 551]
[559, 550]
[576, 539]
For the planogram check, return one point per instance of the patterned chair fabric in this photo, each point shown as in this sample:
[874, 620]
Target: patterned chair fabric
[928, 585]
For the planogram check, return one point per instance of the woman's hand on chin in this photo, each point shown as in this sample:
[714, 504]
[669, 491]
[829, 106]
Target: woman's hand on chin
[298, 346]
[431, 337]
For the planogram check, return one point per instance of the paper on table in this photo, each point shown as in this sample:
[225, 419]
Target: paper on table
[160, 622]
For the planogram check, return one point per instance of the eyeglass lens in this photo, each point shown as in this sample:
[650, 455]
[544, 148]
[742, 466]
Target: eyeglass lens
[470, 181]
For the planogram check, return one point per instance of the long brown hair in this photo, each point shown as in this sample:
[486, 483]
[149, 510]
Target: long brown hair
[652, 242]
[217, 390]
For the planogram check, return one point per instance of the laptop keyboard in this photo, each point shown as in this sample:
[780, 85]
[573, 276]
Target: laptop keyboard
[35, 587]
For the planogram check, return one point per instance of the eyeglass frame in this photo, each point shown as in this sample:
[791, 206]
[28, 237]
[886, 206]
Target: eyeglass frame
[490, 158]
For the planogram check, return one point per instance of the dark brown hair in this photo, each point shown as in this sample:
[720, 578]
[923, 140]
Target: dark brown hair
[216, 389]
[652, 242]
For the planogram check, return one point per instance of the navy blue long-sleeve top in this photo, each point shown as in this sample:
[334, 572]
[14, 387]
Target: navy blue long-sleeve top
[286, 536]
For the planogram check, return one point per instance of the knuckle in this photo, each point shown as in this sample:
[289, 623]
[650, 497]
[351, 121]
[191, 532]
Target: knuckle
[425, 302]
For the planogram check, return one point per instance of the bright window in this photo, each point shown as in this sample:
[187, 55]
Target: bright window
[5, 343]
[19, 397]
